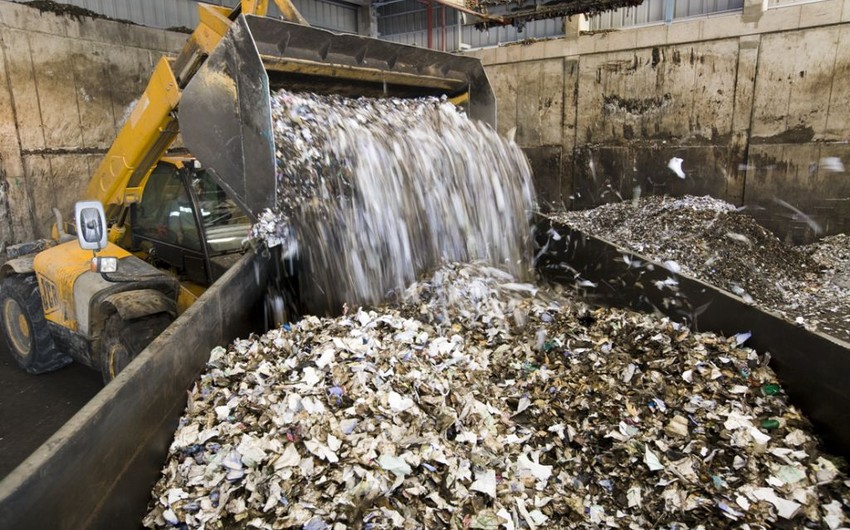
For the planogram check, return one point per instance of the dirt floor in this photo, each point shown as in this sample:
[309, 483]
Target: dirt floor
[33, 407]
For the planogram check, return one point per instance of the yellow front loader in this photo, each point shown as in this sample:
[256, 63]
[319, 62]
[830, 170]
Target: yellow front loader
[174, 225]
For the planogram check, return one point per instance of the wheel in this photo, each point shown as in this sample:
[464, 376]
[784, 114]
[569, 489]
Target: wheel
[26, 328]
[123, 340]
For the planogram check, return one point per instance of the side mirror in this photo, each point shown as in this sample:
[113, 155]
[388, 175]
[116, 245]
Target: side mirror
[91, 225]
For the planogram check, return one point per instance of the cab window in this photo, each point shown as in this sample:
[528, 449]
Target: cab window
[165, 212]
[225, 225]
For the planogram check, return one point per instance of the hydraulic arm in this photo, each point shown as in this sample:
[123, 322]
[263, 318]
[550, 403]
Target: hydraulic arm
[152, 126]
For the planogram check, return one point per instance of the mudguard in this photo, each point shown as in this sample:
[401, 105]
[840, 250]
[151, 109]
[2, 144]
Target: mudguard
[136, 304]
[17, 266]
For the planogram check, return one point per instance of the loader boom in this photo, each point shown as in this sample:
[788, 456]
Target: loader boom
[152, 126]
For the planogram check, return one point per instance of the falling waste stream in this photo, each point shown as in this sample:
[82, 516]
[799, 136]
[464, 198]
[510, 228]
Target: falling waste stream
[374, 192]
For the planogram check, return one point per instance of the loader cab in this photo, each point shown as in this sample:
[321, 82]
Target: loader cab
[185, 222]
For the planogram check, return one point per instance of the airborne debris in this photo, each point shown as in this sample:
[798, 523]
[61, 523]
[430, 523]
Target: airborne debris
[675, 165]
[832, 164]
[446, 415]
[799, 215]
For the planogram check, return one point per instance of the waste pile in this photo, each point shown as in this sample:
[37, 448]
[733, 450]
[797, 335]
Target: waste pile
[373, 192]
[477, 401]
[829, 301]
[831, 253]
[710, 240]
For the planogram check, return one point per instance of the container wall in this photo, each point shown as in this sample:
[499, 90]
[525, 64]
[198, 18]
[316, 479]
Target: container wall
[103, 463]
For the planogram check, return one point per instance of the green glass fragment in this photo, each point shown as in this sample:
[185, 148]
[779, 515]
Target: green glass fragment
[770, 390]
[770, 424]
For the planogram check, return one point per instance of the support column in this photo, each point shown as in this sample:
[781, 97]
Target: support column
[574, 25]
[429, 26]
[669, 10]
[753, 10]
[738, 169]
[367, 21]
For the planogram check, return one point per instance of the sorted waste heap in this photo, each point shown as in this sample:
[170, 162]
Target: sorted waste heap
[709, 239]
[373, 192]
[480, 402]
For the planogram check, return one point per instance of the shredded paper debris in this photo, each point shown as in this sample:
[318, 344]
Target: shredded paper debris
[480, 402]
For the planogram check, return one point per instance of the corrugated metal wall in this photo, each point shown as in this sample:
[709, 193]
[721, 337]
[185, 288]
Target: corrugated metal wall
[478, 39]
[648, 12]
[409, 16]
[783, 3]
[655, 11]
[405, 21]
[330, 15]
[337, 16]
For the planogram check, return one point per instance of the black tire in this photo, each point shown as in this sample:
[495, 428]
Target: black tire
[25, 327]
[123, 340]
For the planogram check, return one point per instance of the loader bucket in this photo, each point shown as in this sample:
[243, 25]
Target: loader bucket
[225, 111]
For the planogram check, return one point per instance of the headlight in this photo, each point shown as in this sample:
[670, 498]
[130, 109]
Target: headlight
[104, 264]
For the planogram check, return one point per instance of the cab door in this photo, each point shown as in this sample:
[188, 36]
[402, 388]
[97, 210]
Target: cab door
[165, 224]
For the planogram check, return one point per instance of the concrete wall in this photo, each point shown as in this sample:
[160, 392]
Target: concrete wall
[65, 84]
[752, 108]
[755, 109]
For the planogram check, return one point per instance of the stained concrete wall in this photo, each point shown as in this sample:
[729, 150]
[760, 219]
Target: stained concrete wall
[65, 85]
[756, 110]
